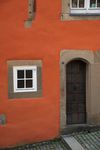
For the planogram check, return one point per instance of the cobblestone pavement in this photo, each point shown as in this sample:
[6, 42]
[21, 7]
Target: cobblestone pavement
[56, 144]
[89, 140]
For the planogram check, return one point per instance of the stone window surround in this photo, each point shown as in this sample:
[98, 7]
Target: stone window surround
[65, 13]
[11, 93]
[65, 57]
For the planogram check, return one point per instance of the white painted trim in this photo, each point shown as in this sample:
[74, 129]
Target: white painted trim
[34, 78]
[86, 10]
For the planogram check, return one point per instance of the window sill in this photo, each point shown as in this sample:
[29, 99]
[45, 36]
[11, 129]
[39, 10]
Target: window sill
[84, 14]
[81, 16]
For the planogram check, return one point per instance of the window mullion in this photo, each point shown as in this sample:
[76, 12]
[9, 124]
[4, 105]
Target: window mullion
[25, 79]
[78, 4]
[16, 80]
[87, 4]
[35, 78]
[96, 3]
[32, 78]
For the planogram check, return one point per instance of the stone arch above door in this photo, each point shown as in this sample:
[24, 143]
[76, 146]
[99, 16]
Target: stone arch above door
[65, 57]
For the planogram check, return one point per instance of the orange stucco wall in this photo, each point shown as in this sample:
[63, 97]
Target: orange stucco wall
[37, 119]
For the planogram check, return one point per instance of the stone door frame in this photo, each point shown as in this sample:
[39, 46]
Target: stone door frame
[65, 57]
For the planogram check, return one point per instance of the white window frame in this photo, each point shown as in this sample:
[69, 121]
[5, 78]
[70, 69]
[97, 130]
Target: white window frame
[86, 10]
[34, 78]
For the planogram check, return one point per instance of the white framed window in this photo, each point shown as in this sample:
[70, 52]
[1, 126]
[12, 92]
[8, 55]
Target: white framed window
[25, 78]
[85, 6]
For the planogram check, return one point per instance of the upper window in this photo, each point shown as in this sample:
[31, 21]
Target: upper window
[85, 7]
[25, 78]
[80, 10]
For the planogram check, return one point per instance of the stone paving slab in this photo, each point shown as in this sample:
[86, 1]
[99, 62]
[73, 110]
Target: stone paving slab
[73, 143]
[89, 140]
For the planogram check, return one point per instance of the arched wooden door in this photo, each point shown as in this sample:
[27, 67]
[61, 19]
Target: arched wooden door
[76, 92]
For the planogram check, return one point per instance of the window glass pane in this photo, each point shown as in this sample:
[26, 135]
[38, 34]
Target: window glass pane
[28, 73]
[20, 74]
[81, 3]
[20, 84]
[92, 3]
[74, 3]
[98, 3]
[29, 83]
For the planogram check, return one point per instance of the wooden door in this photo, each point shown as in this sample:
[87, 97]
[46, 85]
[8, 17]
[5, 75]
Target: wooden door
[76, 92]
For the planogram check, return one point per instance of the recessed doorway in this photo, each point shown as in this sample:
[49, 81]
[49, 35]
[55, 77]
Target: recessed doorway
[76, 92]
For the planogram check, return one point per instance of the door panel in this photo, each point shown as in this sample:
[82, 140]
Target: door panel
[76, 92]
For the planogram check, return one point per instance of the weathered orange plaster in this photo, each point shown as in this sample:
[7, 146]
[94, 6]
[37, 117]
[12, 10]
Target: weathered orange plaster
[36, 119]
